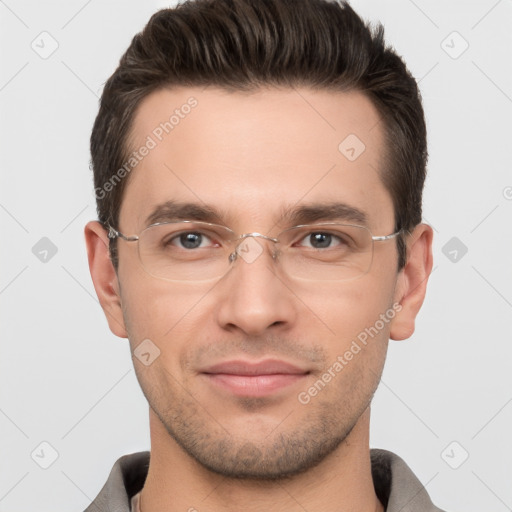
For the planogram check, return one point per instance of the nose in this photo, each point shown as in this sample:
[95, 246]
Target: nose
[254, 294]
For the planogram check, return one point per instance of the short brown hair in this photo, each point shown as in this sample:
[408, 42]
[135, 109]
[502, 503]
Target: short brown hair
[244, 44]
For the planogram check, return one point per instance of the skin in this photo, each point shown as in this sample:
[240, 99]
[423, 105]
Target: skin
[250, 155]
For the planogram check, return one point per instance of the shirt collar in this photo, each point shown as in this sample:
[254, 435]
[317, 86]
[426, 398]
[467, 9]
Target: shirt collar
[395, 484]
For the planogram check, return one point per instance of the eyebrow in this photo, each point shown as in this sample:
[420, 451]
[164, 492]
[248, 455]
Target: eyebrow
[313, 212]
[172, 210]
[176, 210]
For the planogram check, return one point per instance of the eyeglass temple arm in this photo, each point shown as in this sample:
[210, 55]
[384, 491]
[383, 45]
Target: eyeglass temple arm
[113, 233]
[386, 237]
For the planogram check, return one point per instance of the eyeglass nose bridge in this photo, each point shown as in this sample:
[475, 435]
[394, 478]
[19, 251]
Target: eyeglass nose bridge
[234, 255]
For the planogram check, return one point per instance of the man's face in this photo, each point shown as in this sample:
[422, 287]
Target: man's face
[250, 157]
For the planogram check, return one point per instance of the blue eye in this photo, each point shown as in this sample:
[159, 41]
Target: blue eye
[320, 240]
[190, 240]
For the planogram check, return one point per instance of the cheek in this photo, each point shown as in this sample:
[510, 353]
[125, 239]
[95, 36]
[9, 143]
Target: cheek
[172, 315]
[340, 312]
[359, 319]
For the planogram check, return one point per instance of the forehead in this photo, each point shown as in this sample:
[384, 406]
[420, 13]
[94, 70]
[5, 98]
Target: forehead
[253, 155]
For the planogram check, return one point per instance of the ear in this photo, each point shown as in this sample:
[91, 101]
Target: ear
[104, 276]
[412, 281]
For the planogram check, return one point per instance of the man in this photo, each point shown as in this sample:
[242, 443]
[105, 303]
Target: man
[259, 168]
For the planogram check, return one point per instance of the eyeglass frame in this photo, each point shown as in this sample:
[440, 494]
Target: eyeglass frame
[113, 233]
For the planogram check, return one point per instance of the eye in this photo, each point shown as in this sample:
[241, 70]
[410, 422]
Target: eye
[323, 240]
[189, 240]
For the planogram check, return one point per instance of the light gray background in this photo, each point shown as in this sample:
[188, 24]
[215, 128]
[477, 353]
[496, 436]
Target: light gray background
[66, 380]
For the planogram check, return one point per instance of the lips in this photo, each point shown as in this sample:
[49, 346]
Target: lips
[267, 367]
[247, 378]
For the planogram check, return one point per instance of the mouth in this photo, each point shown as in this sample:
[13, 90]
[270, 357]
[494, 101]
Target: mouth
[254, 379]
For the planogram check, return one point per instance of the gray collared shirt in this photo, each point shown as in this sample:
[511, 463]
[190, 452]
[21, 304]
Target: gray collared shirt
[395, 484]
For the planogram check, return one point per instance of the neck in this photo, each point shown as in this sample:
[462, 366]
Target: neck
[341, 482]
